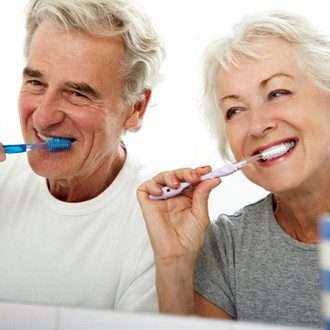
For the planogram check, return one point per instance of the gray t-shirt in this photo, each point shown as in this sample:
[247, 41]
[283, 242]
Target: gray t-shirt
[253, 270]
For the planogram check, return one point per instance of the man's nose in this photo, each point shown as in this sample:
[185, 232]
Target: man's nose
[49, 111]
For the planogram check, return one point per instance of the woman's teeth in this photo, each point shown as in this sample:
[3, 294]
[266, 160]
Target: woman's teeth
[277, 151]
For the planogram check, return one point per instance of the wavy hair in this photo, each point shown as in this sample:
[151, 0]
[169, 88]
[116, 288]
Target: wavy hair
[144, 49]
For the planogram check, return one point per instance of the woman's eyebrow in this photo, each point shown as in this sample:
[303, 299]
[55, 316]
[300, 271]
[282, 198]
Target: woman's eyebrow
[274, 76]
[233, 96]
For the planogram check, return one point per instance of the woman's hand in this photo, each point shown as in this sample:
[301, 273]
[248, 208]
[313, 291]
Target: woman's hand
[177, 228]
[177, 225]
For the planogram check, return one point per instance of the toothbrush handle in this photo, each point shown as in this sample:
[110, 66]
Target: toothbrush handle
[184, 186]
[170, 192]
[225, 170]
[14, 149]
[55, 144]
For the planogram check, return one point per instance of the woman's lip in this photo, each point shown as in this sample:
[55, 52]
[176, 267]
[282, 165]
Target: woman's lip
[279, 158]
[264, 147]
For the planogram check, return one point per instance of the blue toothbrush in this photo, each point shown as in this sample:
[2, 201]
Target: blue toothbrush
[56, 144]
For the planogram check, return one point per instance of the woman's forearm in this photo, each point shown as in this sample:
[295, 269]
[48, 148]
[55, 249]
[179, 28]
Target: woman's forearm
[175, 289]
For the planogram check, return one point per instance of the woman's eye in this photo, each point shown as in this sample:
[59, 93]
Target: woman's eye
[231, 113]
[278, 93]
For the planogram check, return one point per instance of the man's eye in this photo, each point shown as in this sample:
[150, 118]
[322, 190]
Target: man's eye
[34, 86]
[76, 98]
[78, 94]
[34, 82]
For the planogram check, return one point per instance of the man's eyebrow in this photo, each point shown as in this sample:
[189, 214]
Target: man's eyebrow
[28, 72]
[83, 87]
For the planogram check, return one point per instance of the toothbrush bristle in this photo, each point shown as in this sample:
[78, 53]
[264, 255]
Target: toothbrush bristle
[277, 151]
[58, 144]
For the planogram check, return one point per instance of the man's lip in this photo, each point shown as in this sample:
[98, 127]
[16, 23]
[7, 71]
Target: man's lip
[49, 137]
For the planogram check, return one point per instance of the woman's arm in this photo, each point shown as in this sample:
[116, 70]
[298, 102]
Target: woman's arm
[204, 307]
[177, 228]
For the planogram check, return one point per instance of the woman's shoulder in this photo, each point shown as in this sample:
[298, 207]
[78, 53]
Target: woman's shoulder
[249, 213]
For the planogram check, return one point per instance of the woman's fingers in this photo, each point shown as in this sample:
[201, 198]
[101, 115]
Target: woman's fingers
[173, 179]
[200, 199]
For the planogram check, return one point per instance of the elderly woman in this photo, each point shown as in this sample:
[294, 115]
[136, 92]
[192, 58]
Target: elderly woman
[266, 85]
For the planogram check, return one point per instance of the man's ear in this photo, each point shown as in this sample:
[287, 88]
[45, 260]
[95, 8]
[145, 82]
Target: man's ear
[139, 110]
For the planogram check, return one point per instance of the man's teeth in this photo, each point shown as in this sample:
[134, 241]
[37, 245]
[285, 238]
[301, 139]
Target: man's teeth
[46, 138]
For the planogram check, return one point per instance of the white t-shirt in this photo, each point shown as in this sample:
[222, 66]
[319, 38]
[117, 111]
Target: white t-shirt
[92, 254]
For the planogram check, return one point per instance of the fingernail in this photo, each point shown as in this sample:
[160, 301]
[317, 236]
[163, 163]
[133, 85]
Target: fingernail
[175, 180]
[194, 174]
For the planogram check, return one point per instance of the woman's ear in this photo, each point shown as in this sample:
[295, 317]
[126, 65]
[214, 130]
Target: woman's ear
[139, 110]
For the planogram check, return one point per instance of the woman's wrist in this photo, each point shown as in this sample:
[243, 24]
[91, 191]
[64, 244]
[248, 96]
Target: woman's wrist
[175, 288]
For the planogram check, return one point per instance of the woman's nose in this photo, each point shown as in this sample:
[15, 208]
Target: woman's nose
[262, 121]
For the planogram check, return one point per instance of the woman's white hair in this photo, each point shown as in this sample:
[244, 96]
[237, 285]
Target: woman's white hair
[311, 50]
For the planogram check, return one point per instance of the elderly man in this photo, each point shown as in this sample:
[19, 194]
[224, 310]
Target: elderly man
[71, 231]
